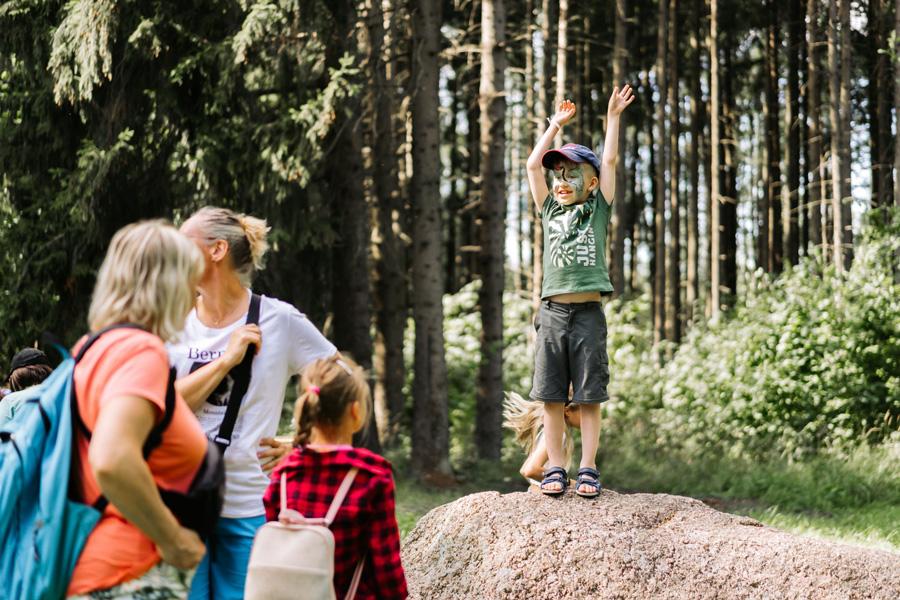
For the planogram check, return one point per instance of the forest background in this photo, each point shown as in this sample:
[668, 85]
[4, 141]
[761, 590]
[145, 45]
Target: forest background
[755, 242]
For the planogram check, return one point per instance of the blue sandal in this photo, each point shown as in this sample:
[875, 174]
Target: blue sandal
[589, 477]
[555, 475]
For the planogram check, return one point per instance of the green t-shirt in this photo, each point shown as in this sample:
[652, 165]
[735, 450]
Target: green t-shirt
[575, 247]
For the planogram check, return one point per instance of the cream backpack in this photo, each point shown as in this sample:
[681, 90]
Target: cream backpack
[293, 558]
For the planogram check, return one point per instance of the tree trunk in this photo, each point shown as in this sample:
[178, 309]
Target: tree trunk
[455, 200]
[390, 254]
[774, 242]
[791, 196]
[620, 210]
[814, 141]
[514, 160]
[673, 251]
[659, 191]
[635, 208]
[883, 74]
[896, 73]
[834, 105]
[352, 312]
[845, 128]
[577, 81]
[431, 431]
[729, 180]
[529, 136]
[492, 101]
[587, 107]
[543, 111]
[469, 226]
[715, 246]
[562, 47]
[692, 289]
[803, 209]
[873, 29]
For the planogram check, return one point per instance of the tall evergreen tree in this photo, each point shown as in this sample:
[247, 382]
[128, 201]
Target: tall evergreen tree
[491, 99]
[659, 185]
[430, 434]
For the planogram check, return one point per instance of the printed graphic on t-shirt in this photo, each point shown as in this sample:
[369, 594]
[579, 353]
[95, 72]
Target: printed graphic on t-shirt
[220, 395]
[572, 237]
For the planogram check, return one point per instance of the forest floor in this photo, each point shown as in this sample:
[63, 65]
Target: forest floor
[874, 524]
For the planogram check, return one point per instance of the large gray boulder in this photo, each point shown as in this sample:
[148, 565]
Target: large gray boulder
[523, 545]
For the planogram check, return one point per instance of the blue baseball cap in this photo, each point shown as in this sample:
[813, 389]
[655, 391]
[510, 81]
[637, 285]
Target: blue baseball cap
[574, 152]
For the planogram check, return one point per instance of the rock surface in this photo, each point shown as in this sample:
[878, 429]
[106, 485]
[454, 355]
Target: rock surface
[523, 545]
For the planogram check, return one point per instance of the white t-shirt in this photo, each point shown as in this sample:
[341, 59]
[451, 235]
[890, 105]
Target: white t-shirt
[289, 343]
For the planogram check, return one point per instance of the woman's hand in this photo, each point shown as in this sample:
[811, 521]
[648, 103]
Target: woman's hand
[564, 113]
[242, 338]
[269, 459]
[620, 100]
[184, 551]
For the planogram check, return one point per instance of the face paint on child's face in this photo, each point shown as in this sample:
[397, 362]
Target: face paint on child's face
[569, 185]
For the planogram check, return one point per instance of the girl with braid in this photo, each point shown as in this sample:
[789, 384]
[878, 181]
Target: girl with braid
[333, 403]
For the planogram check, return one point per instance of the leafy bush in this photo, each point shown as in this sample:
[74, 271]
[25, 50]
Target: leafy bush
[805, 363]
[462, 347]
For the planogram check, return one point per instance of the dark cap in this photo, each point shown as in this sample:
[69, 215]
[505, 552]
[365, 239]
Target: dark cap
[27, 358]
[574, 152]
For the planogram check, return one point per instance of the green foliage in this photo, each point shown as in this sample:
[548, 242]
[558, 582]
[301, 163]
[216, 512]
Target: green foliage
[112, 112]
[82, 49]
[805, 363]
[462, 346]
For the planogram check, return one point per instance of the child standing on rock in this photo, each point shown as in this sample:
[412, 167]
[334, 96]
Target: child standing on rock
[571, 326]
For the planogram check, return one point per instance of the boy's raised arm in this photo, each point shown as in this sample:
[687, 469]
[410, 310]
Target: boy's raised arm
[536, 180]
[618, 102]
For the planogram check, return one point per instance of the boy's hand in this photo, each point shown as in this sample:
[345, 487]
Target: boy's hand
[564, 113]
[620, 100]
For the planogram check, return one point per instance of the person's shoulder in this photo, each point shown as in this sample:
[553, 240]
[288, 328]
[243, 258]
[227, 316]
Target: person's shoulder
[126, 341]
[274, 308]
[549, 204]
[600, 200]
[375, 465]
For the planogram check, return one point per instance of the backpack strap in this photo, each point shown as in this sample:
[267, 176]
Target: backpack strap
[340, 495]
[241, 376]
[154, 438]
[98, 334]
[81, 352]
[357, 576]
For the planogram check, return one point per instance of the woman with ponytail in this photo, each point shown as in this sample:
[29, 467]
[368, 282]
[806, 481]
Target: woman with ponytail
[214, 341]
[334, 403]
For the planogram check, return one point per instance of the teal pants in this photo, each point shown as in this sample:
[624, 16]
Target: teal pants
[222, 572]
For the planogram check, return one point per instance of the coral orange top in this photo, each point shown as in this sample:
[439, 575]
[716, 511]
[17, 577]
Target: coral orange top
[129, 362]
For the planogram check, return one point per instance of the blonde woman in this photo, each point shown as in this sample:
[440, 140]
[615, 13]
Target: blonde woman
[147, 279]
[526, 420]
[213, 343]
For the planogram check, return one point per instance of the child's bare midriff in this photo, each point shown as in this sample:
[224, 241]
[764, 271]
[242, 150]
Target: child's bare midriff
[575, 297]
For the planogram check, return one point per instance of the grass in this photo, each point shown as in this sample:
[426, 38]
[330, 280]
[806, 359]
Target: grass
[853, 499]
[875, 526]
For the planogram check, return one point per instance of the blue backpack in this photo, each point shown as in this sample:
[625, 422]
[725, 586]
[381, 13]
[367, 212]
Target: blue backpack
[44, 525]
[42, 531]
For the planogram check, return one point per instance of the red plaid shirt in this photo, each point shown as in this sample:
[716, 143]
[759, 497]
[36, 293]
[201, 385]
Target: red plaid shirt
[365, 525]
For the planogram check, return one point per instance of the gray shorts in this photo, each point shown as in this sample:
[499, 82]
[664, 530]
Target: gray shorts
[570, 348]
